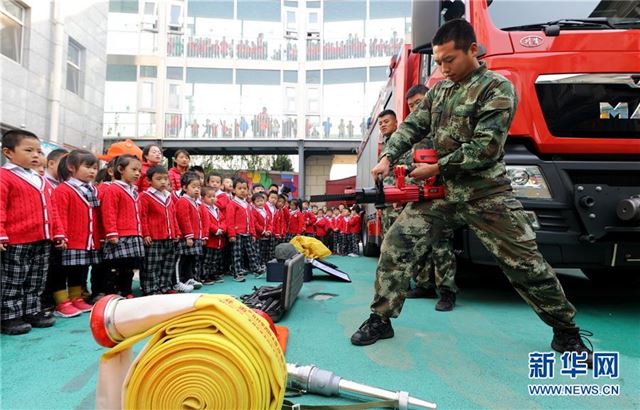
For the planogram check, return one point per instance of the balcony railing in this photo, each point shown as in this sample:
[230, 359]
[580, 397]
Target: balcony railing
[278, 49]
[212, 126]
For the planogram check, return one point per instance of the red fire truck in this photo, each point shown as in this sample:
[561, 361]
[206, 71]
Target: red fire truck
[573, 151]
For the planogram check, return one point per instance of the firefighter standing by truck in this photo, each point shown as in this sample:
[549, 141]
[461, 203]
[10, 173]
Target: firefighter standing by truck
[437, 263]
[466, 117]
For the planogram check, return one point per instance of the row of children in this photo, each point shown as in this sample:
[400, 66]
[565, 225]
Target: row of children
[110, 229]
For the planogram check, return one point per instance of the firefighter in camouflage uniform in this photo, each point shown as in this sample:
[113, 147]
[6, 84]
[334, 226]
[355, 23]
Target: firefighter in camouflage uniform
[466, 117]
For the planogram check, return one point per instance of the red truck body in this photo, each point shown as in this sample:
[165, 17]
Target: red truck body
[574, 144]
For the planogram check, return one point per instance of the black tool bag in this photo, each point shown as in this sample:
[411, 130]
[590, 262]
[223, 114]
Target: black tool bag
[267, 299]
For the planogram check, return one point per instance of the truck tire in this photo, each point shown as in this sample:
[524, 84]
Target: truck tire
[371, 249]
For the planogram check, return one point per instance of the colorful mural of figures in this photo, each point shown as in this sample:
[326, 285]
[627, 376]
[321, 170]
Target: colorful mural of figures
[266, 178]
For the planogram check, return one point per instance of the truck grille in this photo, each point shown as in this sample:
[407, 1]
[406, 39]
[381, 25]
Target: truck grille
[551, 220]
[611, 178]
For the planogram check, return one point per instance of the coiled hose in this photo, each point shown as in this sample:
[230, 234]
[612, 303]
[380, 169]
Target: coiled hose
[204, 351]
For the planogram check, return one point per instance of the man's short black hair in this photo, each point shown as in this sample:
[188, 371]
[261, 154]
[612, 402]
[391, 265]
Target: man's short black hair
[415, 90]
[12, 138]
[387, 112]
[239, 181]
[460, 31]
[56, 153]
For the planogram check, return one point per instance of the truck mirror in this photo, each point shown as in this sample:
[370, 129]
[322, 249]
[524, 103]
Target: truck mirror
[425, 21]
[426, 17]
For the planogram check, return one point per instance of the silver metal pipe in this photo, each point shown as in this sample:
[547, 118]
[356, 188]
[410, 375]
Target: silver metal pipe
[324, 382]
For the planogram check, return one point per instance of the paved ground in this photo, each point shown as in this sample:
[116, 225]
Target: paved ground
[473, 357]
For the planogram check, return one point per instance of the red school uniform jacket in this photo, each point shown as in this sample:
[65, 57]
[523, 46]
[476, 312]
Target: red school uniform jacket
[334, 223]
[189, 216]
[27, 213]
[238, 217]
[353, 225]
[80, 221]
[270, 217]
[120, 212]
[322, 226]
[279, 223]
[204, 215]
[143, 182]
[309, 222]
[158, 216]
[216, 221]
[296, 223]
[222, 199]
[174, 178]
[260, 221]
[341, 224]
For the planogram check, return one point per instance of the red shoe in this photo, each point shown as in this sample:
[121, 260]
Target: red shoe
[81, 305]
[170, 292]
[66, 309]
[129, 296]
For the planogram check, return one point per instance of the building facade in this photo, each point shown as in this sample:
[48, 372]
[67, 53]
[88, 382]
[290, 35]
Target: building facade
[53, 69]
[212, 69]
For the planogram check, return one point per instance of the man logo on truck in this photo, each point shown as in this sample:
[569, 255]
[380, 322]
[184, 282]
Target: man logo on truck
[620, 111]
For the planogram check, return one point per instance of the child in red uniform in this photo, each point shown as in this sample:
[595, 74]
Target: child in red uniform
[309, 220]
[343, 219]
[296, 220]
[123, 248]
[181, 161]
[78, 206]
[270, 206]
[160, 232]
[241, 232]
[322, 227]
[193, 229]
[354, 227]
[263, 225]
[281, 219]
[28, 224]
[214, 247]
[151, 157]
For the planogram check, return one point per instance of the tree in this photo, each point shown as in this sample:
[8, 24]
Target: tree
[282, 163]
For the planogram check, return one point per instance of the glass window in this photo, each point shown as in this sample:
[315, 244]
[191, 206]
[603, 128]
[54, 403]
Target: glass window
[209, 75]
[345, 75]
[175, 17]
[259, 10]
[146, 124]
[149, 8]
[291, 20]
[313, 18]
[211, 8]
[378, 73]
[147, 94]
[74, 56]
[174, 73]
[173, 102]
[11, 29]
[313, 98]
[258, 77]
[290, 76]
[313, 77]
[383, 9]
[340, 10]
[121, 72]
[148, 71]
[150, 16]
[123, 6]
[290, 99]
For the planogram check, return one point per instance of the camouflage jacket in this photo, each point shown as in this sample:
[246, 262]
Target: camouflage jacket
[467, 123]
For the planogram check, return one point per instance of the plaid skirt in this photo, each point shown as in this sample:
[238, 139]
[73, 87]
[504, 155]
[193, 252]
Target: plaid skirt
[81, 257]
[127, 247]
[183, 249]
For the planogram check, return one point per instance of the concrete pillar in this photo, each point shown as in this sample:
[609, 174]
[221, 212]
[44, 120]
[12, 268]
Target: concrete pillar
[301, 179]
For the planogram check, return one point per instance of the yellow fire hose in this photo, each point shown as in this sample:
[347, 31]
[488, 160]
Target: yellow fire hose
[204, 351]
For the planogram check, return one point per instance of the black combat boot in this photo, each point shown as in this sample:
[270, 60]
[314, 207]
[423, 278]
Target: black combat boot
[372, 330]
[570, 340]
[41, 319]
[447, 301]
[422, 293]
[15, 326]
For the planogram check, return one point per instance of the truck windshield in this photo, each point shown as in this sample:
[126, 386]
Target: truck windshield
[527, 15]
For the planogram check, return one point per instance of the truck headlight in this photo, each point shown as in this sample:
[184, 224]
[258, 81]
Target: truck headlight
[528, 182]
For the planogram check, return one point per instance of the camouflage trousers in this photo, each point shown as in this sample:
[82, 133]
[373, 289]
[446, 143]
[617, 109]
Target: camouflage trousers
[435, 265]
[503, 228]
